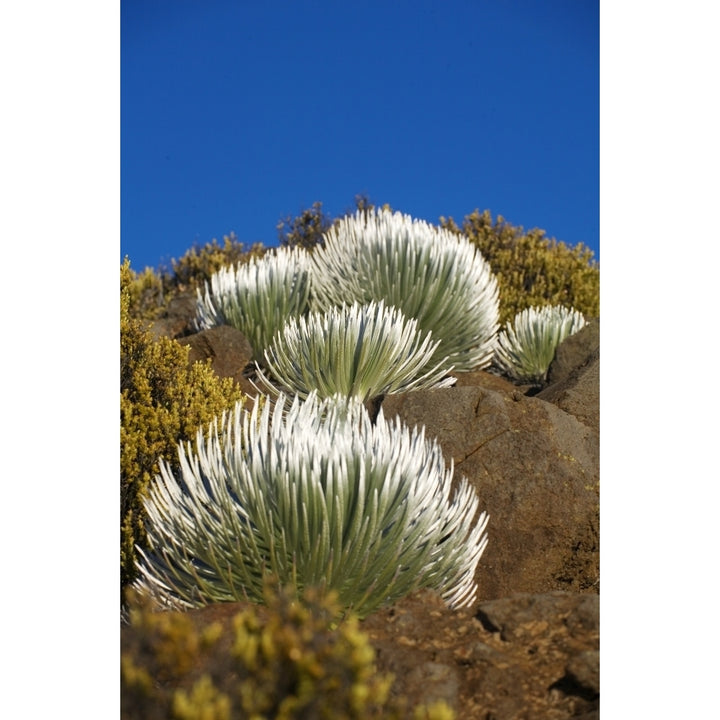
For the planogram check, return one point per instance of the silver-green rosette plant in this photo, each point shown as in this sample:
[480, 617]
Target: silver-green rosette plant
[314, 494]
[527, 345]
[354, 350]
[429, 273]
[257, 297]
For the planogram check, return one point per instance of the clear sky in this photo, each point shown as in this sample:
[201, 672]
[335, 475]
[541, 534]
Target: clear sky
[235, 114]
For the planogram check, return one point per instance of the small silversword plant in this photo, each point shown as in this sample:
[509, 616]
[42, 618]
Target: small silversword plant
[314, 494]
[527, 345]
[257, 297]
[357, 351]
[429, 273]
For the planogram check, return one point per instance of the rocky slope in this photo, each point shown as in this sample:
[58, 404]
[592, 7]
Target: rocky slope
[529, 646]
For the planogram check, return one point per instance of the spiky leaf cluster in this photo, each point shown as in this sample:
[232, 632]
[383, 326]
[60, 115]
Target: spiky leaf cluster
[527, 345]
[257, 297]
[356, 351]
[429, 273]
[315, 494]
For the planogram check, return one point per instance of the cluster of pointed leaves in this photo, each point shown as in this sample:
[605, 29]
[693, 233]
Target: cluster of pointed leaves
[357, 351]
[527, 345]
[317, 495]
[257, 297]
[429, 273]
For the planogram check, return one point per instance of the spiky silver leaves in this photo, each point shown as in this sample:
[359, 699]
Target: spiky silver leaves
[428, 273]
[527, 345]
[257, 297]
[356, 351]
[316, 494]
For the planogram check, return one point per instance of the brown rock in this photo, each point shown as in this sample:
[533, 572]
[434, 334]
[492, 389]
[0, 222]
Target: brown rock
[535, 468]
[178, 320]
[228, 350]
[480, 378]
[574, 376]
[533, 660]
[583, 670]
[575, 353]
[512, 616]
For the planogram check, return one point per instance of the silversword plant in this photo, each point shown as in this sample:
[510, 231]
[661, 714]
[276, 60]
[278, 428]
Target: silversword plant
[357, 351]
[527, 345]
[257, 297]
[314, 494]
[430, 274]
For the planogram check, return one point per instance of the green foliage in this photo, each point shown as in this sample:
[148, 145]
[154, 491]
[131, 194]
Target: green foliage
[162, 401]
[527, 345]
[357, 351]
[532, 269]
[315, 493]
[296, 658]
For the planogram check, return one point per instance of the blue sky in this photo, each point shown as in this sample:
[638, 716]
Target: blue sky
[236, 114]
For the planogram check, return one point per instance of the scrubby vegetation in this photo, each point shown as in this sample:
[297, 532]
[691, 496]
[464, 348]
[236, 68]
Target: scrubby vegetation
[151, 290]
[162, 401]
[306, 230]
[296, 658]
[532, 269]
[197, 265]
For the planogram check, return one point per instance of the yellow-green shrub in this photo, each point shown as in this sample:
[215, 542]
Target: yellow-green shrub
[294, 658]
[532, 269]
[162, 401]
[148, 293]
